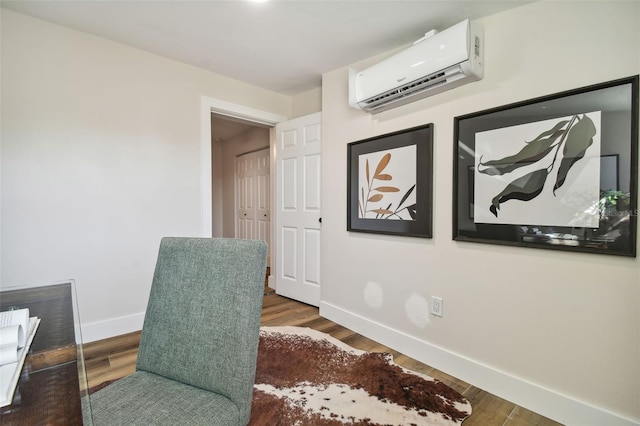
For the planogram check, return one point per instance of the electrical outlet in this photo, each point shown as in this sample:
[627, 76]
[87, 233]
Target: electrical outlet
[436, 306]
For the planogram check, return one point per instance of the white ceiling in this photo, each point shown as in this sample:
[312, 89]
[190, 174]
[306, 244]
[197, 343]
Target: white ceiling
[281, 45]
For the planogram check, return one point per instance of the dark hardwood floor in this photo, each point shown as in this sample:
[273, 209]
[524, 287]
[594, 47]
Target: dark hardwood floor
[115, 357]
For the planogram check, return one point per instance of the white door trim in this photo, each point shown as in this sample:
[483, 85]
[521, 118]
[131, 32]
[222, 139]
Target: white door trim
[218, 106]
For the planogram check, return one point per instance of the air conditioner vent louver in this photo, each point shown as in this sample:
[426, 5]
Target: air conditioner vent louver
[405, 91]
[431, 65]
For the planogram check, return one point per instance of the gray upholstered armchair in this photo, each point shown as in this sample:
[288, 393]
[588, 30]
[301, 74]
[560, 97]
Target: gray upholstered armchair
[199, 343]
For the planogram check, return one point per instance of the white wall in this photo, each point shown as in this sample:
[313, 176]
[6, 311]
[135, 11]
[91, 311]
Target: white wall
[100, 159]
[306, 103]
[554, 331]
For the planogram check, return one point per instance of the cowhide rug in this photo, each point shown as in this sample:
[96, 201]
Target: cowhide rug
[305, 377]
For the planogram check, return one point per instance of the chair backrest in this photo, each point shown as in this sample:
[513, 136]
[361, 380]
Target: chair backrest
[202, 322]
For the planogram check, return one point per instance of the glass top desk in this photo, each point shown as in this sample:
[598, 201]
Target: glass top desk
[53, 386]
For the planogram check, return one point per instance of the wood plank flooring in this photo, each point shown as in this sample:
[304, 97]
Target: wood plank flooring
[115, 357]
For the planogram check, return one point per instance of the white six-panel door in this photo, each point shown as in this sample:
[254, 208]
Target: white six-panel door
[298, 208]
[253, 196]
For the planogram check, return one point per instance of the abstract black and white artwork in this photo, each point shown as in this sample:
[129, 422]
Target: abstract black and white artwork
[545, 172]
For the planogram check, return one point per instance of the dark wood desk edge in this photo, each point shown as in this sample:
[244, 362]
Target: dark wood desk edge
[51, 357]
[51, 372]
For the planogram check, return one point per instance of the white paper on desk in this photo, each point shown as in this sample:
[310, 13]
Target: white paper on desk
[10, 373]
[16, 317]
[9, 340]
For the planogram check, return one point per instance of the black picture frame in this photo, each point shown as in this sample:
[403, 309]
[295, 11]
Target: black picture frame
[397, 207]
[542, 136]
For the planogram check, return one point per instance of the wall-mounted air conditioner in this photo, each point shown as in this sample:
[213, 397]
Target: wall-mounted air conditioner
[433, 64]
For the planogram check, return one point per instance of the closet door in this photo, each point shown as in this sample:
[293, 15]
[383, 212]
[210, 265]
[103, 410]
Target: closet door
[253, 217]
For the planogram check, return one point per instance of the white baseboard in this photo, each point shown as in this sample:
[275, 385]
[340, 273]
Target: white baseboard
[549, 403]
[113, 327]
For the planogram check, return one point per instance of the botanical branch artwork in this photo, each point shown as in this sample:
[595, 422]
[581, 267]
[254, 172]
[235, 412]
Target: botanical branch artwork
[386, 184]
[543, 173]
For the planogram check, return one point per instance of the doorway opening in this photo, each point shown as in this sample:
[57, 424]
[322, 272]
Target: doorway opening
[233, 180]
[212, 112]
[211, 213]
